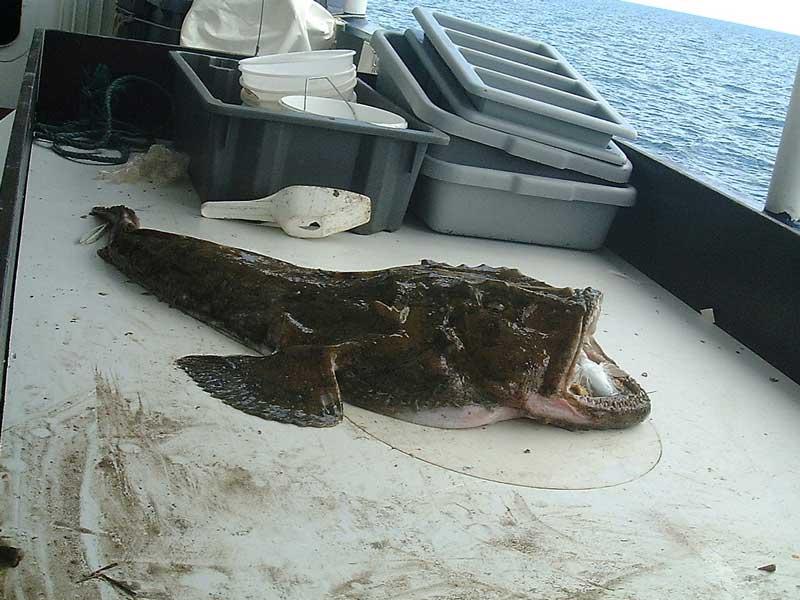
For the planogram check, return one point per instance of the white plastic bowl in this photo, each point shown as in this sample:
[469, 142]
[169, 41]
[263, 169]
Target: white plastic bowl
[332, 61]
[338, 109]
[249, 98]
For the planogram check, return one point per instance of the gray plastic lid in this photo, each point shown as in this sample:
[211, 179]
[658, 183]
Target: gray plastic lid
[460, 104]
[519, 72]
[527, 185]
[406, 85]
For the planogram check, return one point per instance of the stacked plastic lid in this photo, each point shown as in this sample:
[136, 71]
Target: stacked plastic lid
[527, 131]
[522, 82]
[319, 73]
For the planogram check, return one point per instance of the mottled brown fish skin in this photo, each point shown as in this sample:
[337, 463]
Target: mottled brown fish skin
[405, 341]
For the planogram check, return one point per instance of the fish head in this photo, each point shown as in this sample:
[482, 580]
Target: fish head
[586, 389]
[529, 347]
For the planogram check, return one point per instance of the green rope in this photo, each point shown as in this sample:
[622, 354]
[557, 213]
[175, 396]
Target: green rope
[99, 136]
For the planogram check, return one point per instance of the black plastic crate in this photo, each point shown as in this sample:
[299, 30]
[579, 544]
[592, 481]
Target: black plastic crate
[241, 153]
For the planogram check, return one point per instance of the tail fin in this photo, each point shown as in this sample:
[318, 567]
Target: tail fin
[296, 385]
[116, 219]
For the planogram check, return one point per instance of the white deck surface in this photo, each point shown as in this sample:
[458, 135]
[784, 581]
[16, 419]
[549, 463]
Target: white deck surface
[111, 455]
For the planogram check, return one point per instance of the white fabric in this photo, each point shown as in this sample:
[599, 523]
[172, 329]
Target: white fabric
[232, 26]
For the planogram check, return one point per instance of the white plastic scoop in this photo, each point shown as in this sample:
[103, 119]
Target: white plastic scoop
[302, 211]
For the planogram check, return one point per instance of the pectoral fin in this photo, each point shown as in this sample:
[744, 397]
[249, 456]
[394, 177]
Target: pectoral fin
[296, 385]
[392, 375]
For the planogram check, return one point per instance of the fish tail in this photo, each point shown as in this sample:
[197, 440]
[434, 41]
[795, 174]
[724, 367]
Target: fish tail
[116, 219]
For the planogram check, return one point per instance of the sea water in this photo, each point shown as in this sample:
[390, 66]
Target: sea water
[707, 94]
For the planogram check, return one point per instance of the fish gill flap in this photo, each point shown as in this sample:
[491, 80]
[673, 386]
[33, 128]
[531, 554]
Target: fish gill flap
[296, 385]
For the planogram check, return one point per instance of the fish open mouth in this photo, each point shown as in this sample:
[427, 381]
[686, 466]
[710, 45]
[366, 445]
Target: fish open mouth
[603, 394]
[595, 393]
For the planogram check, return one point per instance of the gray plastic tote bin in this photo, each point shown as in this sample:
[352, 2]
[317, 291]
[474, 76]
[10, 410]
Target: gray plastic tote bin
[522, 80]
[241, 153]
[403, 78]
[516, 202]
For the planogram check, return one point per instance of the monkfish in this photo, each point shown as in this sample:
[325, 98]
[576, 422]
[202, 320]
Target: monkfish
[433, 344]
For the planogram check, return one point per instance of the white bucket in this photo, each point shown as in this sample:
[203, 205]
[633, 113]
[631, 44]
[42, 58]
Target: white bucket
[316, 87]
[300, 63]
[299, 84]
[334, 60]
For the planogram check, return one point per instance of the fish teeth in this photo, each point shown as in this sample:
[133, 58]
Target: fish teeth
[616, 402]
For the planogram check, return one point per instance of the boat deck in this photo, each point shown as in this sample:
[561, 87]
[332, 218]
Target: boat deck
[112, 456]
